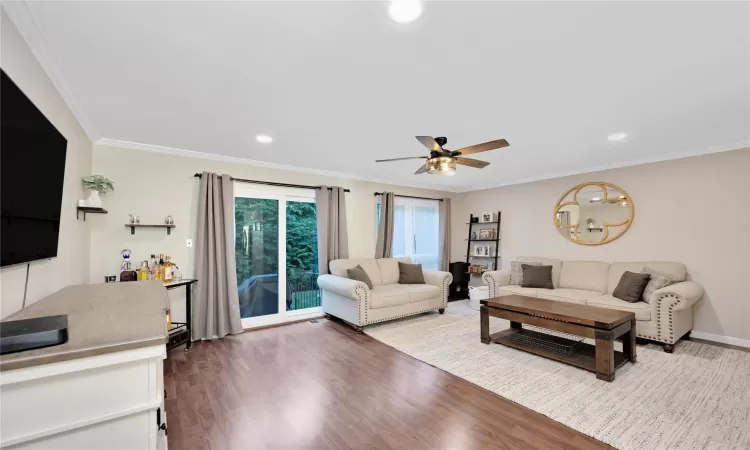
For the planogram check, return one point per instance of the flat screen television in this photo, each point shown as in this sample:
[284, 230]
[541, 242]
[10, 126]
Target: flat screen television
[32, 169]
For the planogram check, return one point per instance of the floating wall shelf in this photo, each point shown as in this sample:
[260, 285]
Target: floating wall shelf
[89, 210]
[133, 226]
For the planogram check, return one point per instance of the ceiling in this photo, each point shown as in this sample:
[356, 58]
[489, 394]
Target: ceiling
[339, 84]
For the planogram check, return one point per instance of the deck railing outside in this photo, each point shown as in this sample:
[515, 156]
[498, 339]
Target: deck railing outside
[302, 289]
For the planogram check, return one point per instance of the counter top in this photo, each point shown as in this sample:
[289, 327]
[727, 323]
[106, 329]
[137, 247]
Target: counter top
[102, 318]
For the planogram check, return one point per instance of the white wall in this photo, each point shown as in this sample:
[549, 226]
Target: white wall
[153, 185]
[72, 263]
[692, 210]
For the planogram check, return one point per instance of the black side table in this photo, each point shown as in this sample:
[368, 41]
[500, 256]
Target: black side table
[179, 334]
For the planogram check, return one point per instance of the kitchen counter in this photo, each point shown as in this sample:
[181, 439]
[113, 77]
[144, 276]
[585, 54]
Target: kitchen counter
[102, 319]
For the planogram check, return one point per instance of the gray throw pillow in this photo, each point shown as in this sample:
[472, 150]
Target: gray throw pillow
[516, 271]
[410, 273]
[631, 286]
[658, 280]
[537, 276]
[359, 274]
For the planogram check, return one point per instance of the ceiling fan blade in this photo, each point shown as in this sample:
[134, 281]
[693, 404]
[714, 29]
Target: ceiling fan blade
[422, 169]
[491, 145]
[401, 159]
[430, 143]
[472, 162]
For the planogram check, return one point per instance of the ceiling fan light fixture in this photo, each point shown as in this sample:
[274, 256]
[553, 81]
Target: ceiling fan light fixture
[441, 166]
[405, 11]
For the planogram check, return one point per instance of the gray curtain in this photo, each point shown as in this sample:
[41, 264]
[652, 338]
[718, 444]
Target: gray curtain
[333, 241]
[384, 245]
[216, 308]
[444, 235]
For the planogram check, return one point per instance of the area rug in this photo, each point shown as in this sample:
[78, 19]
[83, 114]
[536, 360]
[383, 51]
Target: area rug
[696, 398]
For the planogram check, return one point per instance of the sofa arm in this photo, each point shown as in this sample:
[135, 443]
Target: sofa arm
[494, 279]
[682, 295]
[342, 286]
[437, 278]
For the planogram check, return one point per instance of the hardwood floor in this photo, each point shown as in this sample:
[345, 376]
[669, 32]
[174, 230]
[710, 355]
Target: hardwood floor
[322, 385]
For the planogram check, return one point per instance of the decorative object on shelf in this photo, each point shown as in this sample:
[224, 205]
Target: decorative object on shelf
[127, 273]
[97, 184]
[600, 203]
[486, 233]
[474, 219]
[82, 203]
[110, 278]
[169, 220]
[481, 250]
[474, 235]
[131, 218]
[137, 219]
[475, 269]
[486, 217]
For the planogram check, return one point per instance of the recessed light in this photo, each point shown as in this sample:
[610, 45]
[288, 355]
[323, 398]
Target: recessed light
[596, 199]
[617, 136]
[264, 138]
[405, 11]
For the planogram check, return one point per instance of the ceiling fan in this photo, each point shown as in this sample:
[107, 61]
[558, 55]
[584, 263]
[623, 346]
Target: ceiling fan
[443, 162]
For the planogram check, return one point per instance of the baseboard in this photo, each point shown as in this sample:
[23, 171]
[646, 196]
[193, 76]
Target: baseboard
[721, 339]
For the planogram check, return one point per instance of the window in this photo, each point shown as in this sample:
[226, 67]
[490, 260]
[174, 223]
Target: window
[415, 230]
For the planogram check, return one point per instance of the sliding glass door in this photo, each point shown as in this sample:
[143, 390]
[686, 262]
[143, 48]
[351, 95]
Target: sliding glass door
[276, 254]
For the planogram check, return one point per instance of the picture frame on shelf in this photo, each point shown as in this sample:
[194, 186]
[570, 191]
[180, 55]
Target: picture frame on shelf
[481, 250]
[486, 217]
[487, 233]
[474, 235]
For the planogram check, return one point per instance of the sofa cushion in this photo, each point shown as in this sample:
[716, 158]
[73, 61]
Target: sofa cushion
[338, 267]
[568, 295]
[410, 273]
[657, 281]
[586, 275]
[516, 271]
[387, 295]
[422, 292]
[631, 286]
[616, 269]
[642, 310]
[512, 289]
[388, 268]
[359, 274]
[539, 277]
[555, 263]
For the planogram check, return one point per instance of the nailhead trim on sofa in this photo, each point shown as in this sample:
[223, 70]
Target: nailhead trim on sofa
[446, 284]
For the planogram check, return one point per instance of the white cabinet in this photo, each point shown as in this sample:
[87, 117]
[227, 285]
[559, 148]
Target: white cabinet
[106, 401]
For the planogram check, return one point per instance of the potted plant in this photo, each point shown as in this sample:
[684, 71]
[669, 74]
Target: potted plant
[97, 184]
[591, 223]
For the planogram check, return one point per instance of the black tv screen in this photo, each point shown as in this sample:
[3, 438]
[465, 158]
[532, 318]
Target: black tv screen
[32, 169]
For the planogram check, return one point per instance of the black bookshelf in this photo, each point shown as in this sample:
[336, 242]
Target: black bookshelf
[469, 240]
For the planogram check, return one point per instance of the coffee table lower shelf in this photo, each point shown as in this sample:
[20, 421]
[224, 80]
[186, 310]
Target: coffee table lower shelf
[584, 355]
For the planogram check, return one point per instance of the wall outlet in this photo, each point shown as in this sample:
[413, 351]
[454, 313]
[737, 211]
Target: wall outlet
[189, 243]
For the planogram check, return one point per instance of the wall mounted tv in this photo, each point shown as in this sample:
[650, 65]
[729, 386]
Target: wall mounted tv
[32, 169]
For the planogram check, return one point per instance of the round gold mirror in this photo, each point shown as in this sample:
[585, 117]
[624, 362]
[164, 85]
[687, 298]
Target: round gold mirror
[594, 213]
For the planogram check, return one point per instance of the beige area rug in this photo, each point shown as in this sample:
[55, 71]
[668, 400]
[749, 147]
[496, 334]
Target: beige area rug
[696, 398]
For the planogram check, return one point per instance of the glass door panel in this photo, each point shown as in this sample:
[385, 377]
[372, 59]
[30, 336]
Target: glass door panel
[257, 255]
[301, 255]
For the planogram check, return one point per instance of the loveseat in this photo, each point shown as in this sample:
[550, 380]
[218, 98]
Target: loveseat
[665, 318]
[353, 302]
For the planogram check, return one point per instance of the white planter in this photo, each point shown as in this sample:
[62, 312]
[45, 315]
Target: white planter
[94, 201]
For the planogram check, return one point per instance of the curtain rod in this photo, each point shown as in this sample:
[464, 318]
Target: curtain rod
[411, 196]
[271, 183]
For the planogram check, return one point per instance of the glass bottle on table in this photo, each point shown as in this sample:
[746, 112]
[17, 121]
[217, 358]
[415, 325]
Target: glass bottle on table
[166, 270]
[155, 269]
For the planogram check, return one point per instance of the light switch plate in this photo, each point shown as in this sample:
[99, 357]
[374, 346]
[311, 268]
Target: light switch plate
[189, 243]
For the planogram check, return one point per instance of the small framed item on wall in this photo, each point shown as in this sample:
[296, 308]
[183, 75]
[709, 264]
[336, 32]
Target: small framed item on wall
[486, 217]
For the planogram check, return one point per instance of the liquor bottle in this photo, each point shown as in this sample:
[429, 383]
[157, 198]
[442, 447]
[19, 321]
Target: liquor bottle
[143, 271]
[156, 270]
[166, 270]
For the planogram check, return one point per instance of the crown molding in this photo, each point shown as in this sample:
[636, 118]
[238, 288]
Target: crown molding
[105, 142]
[36, 39]
[616, 165]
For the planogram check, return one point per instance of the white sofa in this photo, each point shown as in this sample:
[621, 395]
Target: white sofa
[667, 317]
[355, 303]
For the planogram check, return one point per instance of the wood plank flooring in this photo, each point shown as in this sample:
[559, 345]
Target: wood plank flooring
[321, 385]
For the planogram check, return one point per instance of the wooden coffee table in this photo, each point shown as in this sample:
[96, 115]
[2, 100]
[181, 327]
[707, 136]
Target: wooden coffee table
[602, 325]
